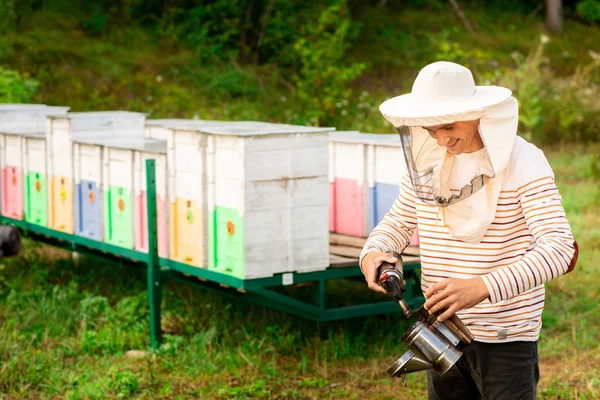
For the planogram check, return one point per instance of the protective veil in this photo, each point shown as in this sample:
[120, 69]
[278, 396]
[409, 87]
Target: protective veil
[445, 93]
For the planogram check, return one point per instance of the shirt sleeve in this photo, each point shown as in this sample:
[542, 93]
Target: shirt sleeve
[555, 250]
[396, 228]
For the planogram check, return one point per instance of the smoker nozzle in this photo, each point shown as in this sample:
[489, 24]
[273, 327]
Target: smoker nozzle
[391, 279]
[405, 308]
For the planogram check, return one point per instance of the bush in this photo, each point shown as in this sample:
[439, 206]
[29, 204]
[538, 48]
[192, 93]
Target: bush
[554, 109]
[15, 88]
[589, 9]
[8, 13]
[324, 74]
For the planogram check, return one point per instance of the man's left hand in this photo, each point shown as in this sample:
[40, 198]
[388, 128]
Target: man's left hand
[454, 295]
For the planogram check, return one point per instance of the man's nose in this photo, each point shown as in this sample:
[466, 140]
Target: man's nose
[442, 138]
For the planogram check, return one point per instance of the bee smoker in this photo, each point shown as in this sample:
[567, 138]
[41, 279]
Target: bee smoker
[431, 344]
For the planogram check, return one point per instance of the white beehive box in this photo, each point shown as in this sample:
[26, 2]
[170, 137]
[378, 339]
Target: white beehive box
[15, 121]
[385, 168]
[365, 173]
[348, 192]
[187, 186]
[62, 131]
[22, 143]
[267, 199]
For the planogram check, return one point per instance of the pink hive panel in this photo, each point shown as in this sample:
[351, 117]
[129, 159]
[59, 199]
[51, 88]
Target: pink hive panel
[141, 224]
[12, 193]
[348, 207]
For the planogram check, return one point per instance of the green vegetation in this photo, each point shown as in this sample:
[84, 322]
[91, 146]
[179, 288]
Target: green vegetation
[65, 329]
[329, 63]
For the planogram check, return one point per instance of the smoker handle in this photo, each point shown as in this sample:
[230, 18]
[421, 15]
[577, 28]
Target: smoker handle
[463, 331]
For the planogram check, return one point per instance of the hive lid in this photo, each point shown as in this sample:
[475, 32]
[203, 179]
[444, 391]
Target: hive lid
[138, 144]
[30, 119]
[32, 107]
[181, 123]
[382, 139]
[113, 124]
[254, 128]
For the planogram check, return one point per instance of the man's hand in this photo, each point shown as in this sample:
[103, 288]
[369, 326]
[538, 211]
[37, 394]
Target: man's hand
[454, 295]
[370, 264]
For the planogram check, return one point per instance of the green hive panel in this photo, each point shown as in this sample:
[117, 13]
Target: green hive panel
[226, 241]
[36, 199]
[118, 218]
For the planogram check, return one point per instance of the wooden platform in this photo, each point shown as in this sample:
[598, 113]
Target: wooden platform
[345, 250]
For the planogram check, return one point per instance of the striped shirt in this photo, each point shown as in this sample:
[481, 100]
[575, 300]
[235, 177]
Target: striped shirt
[528, 243]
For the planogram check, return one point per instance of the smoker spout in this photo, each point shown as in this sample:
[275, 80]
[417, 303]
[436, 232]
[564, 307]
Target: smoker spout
[409, 362]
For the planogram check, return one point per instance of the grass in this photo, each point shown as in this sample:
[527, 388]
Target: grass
[66, 328]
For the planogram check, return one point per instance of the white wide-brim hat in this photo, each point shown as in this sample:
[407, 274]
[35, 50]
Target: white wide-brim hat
[443, 92]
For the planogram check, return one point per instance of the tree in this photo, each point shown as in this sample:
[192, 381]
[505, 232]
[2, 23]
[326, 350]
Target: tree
[554, 15]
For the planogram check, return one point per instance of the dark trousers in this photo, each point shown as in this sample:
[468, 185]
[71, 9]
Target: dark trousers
[489, 371]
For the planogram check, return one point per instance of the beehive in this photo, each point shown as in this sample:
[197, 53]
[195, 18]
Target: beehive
[267, 199]
[22, 160]
[121, 217]
[68, 207]
[187, 186]
[365, 174]
[347, 183]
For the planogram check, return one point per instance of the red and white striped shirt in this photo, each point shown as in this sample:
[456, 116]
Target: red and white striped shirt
[529, 243]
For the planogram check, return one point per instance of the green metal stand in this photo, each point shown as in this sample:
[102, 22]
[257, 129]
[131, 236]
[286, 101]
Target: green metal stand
[154, 276]
[258, 291]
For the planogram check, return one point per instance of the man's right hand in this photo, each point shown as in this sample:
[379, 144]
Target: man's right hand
[370, 265]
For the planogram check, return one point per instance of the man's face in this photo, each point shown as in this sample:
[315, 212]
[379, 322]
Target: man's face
[457, 137]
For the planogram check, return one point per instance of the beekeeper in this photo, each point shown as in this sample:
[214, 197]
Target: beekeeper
[491, 227]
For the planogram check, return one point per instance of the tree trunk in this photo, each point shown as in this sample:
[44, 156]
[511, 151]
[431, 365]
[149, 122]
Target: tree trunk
[554, 15]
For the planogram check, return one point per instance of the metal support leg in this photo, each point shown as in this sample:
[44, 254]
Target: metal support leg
[320, 294]
[154, 276]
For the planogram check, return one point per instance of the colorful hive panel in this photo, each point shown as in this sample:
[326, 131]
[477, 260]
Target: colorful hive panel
[11, 159]
[187, 231]
[227, 238]
[118, 222]
[12, 192]
[381, 199]
[61, 204]
[36, 207]
[89, 210]
[349, 207]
